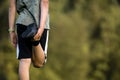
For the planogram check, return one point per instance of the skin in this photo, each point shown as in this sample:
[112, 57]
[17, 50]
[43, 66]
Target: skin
[44, 13]
[12, 12]
[24, 64]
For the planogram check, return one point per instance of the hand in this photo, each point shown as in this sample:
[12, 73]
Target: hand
[13, 38]
[38, 35]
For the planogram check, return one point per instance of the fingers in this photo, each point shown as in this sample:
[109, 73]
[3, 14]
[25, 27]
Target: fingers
[14, 43]
[39, 34]
[13, 39]
[37, 37]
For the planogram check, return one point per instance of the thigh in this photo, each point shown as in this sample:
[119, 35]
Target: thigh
[24, 45]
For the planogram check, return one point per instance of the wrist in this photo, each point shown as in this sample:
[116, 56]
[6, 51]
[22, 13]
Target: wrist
[11, 30]
[41, 28]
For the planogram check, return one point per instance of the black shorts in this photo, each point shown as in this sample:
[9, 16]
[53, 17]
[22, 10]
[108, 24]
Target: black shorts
[24, 47]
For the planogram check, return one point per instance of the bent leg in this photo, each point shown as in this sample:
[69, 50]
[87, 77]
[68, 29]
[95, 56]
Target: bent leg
[38, 57]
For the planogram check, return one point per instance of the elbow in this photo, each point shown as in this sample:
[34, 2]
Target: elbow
[12, 8]
[45, 2]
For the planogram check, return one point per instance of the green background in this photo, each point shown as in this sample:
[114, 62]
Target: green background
[84, 42]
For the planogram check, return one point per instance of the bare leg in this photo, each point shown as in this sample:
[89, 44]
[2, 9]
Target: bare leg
[38, 53]
[24, 65]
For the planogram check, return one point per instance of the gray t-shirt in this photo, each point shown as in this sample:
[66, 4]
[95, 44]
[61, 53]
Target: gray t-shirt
[25, 17]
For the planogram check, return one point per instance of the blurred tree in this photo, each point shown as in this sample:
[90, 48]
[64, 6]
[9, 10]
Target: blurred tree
[84, 42]
[70, 5]
[118, 1]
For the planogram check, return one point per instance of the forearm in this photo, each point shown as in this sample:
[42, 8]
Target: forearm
[44, 13]
[12, 13]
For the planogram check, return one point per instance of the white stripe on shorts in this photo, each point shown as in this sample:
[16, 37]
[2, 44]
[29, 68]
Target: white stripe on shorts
[17, 51]
[46, 44]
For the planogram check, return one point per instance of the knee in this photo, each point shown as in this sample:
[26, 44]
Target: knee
[38, 63]
[25, 62]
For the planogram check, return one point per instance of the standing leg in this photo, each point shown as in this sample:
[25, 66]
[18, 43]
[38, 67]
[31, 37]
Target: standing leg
[24, 53]
[24, 66]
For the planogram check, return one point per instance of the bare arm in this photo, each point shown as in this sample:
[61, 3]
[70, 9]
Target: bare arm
[43, 17]
[12, 12]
